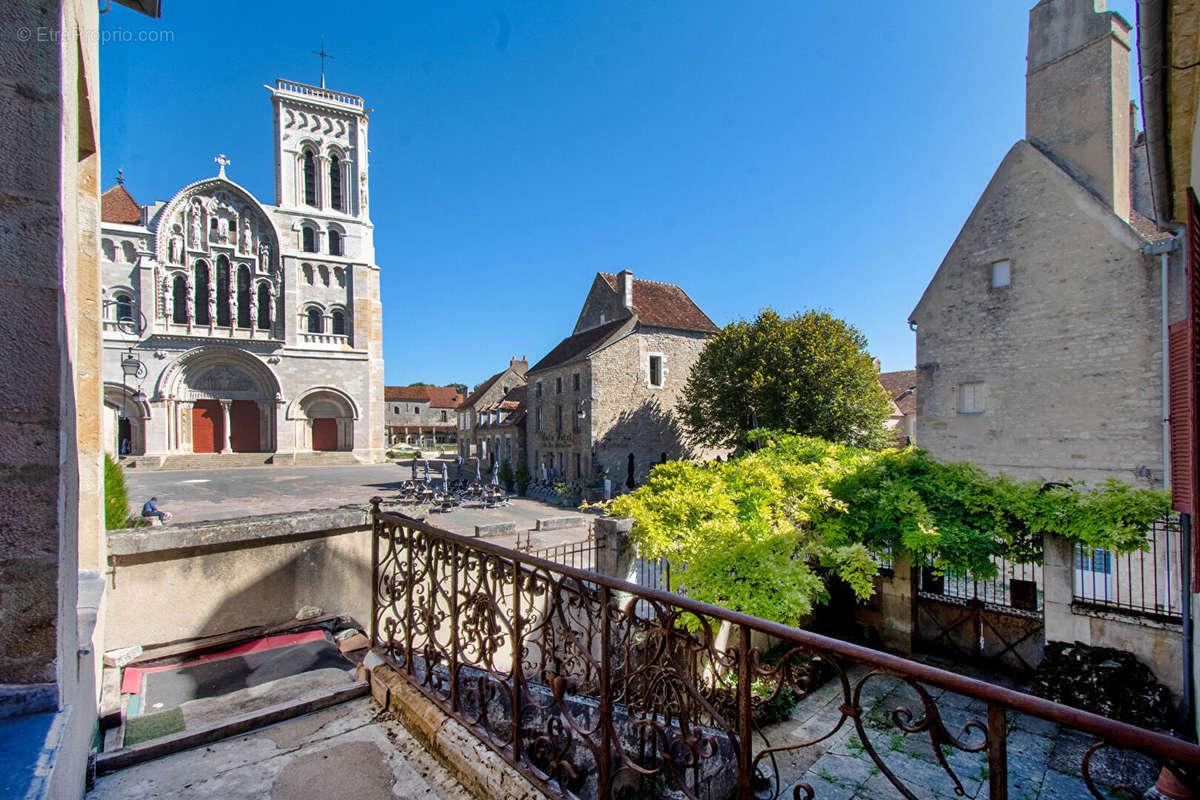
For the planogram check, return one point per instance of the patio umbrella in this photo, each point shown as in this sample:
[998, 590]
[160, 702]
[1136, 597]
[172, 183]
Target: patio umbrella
[477, 478]
[414, 469]
[445, 478]
[425, 467]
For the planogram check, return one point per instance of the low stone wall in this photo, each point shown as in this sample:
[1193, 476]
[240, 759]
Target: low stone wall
[181, 581]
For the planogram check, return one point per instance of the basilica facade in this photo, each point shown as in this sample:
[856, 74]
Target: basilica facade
[232, 326]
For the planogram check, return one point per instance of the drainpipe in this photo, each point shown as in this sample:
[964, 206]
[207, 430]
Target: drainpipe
[1185, 558]
[1163, 249]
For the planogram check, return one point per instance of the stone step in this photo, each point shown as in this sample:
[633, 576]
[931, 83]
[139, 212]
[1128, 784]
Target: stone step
[325, 459]
[210, 461]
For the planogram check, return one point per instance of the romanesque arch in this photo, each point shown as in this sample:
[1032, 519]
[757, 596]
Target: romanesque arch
[324, 418]
[124, 422]
[219, 400]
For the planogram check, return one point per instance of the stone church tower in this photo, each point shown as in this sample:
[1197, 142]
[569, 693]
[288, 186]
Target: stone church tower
[232, 326]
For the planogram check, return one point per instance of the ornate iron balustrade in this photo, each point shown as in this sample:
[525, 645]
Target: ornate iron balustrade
[554, 669]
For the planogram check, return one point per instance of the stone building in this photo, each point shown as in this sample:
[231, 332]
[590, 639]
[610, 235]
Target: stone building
[602, 402]
[901, 388]
[486, 396]
[1040, 339]
[500, 430]
[245, 327]
[424, 416]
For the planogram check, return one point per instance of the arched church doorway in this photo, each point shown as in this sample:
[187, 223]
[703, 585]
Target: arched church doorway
[124, 420]
[325, 418]
[208, 427]
[220, 400]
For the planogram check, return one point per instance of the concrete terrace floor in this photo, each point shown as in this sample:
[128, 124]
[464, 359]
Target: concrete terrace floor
[348, 751]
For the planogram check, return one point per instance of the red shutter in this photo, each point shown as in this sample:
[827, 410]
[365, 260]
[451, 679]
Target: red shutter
[1183, 400]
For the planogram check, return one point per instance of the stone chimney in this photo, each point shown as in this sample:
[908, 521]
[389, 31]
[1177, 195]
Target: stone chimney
[625, 288]
[519, 365]
[1077, 94]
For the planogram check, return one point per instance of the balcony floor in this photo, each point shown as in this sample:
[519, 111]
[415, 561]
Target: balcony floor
[351, 750]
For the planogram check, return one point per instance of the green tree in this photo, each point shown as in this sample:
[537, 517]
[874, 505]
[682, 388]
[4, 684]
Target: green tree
[760, 533]
[808, 374]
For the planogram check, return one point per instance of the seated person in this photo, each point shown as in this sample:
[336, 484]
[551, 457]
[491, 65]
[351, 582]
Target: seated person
[151, 509]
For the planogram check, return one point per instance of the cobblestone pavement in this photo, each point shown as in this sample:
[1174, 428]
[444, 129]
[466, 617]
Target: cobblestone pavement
[1044, 760]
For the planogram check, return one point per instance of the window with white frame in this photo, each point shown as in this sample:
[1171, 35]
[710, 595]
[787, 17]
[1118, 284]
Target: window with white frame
[1001, 273]
[656, 370]
[971, 397]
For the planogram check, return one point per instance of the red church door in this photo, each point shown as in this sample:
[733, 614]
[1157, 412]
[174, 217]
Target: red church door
[243, 427]
[207, 427]
[325, 434]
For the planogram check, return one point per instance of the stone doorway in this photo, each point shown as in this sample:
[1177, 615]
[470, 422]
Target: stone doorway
[244, 434]
[207, 426]
[325, 434]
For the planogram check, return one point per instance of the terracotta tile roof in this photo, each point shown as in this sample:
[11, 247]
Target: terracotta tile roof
[901, 387]
[118, 205]
[580, 344]
[1147, 227]
[664, 305]
[436, 396]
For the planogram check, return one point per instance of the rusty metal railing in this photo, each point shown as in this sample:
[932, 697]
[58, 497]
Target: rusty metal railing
[550, 667]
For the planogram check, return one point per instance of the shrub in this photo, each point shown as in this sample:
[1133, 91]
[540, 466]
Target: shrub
[116, 497]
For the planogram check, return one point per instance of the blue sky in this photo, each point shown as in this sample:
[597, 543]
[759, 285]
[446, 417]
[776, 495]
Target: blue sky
[797, 155]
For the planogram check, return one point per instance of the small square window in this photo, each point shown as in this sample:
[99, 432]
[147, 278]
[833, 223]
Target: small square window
[970, 398]
[1001, 274]
[656, 376]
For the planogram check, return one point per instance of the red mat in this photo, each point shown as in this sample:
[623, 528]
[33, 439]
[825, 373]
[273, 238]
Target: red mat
[131, 678]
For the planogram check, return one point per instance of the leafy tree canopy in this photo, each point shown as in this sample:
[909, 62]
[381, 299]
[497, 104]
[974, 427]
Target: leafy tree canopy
[809, 374]
[758, 533]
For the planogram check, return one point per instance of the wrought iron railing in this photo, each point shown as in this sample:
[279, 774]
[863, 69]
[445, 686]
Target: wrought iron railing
[1145, 582]
[1016, 586]
[550, 667]
[583, 554]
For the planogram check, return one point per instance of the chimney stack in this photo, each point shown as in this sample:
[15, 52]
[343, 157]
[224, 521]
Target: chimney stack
[625, 288]
[1077, 94]
[519, 365]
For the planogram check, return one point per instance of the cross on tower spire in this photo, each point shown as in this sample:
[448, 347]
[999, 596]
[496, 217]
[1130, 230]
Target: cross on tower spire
[222, 162]
[323, 56]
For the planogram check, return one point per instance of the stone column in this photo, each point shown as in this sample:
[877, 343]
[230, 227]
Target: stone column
[284, 435]
[896, 598]
[225, 404]
[617, 557]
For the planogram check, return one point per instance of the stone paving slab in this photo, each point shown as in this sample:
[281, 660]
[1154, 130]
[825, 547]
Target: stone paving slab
[350, 751]
[1043, 761]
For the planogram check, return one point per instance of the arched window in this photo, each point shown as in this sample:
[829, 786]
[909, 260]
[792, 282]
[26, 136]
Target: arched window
[223, 311]
[335, 243]
[264, 307]
[124, 308]
[314, 320]
[308, 239]
[335, 182]
[200, 281]
[243, 296]
[179, 308]
[310, 178]
[339, 323]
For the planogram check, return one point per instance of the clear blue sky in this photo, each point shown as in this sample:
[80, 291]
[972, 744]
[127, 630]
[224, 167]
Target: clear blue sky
[789, 154]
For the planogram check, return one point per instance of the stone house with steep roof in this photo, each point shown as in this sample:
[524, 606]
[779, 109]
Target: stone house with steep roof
[1040, 339]
[500, 430]
[484, 399]
[421, 415]
[602, 402]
